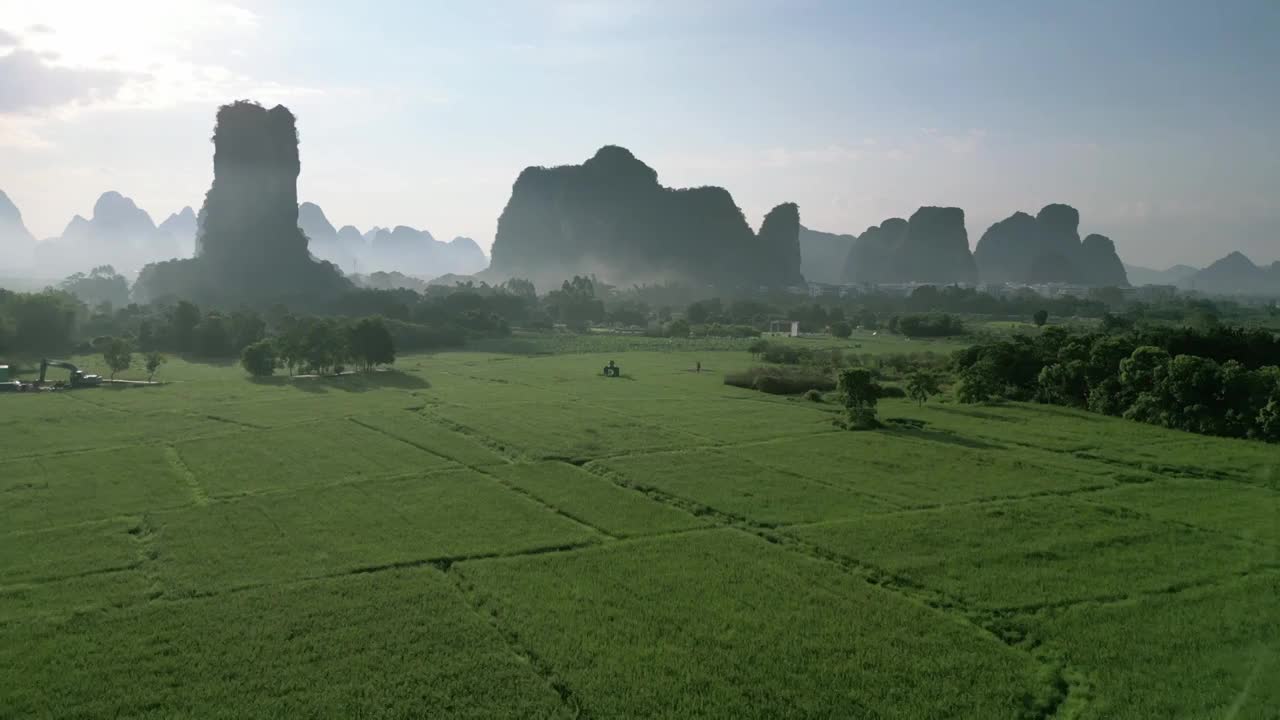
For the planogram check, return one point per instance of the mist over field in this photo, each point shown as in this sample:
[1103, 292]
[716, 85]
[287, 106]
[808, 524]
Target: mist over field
[594, 359]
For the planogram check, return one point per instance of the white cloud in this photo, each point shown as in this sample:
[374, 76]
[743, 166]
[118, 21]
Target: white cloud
[77, 56]
[29, 83]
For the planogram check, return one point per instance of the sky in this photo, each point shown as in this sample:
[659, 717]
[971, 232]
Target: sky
[1157, 120]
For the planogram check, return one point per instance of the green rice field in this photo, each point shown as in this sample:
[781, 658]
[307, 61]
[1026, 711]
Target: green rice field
[505, 533]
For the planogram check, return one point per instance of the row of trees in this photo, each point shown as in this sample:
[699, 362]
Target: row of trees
[1146, 375]
[322, 345]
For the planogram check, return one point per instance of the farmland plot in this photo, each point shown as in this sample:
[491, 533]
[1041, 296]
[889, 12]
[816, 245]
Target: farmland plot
[721, 481]
[298, 456]
[721, 624]
[596, 501]
[59, 490]
[280, 537]
[1030, 553]
[388, 645]
[1203, 653]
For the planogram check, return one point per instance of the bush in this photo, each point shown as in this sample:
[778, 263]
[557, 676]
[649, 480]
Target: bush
[781, 381]
[677, 329]
[930, 325]
[892, 391]
[786, 354]
[117, 353]
[408, 336]
[813, 395]
[859, 393]
[259, 359]
[716, 330]
[841, 329]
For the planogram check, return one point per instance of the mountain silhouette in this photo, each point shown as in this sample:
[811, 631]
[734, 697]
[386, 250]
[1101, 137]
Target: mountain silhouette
[610, 217]
[249, 247]
[403, 249]
[118, 233]
[182, 227]
[1047, 249]
[1139, 275]
[931, 247]
[1235, 274]
[17, 245]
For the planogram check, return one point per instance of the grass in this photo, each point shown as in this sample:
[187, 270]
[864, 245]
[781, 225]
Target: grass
[1204, 653]
[594, 500]
[62, 490]
[503, 532]
[721, 624]
[724, 482]
[279, 537]
[300, 455]
[390, 645]
[1033, 553]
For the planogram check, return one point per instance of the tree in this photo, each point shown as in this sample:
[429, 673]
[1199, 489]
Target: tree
[841, 329]
[42, 322]
[520, 287]
[246, 328]
[678, 328]
[213, 337]
[118, 355]
[576, 304]
[325, 347]
[1268, 421]
[102, 285]
[371, 343]
[921, 385]
[1041, 317]
[1064, 384]
[858, 393]
[154, 361]
[186, 316]
[980, 382]
[259, 358]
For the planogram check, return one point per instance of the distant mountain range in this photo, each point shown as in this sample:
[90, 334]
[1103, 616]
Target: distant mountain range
[1235, 274]
[1139, 275]
[16, 242]
[402, 249]
[933, 247]
[121, 234]
[823, 254]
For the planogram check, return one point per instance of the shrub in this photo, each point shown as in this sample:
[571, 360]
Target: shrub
[930, 325]
[813, 395]
[780, 381]
[117, 353]
[892, 391]
[720, 331]
[154, 360]
[259, 359]
[841, 329]
[858, 394]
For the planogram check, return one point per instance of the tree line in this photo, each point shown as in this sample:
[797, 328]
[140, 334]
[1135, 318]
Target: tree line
[1222, 381]
[322, 346]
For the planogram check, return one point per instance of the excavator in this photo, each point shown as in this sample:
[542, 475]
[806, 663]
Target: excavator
[79, 379]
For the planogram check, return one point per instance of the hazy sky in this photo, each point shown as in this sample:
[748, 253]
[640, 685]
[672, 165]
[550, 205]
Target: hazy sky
[1158, 120]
